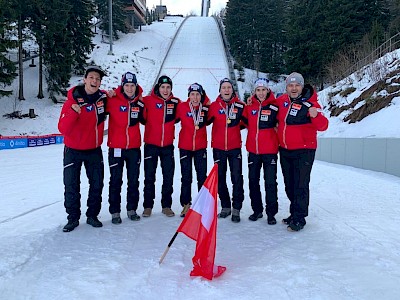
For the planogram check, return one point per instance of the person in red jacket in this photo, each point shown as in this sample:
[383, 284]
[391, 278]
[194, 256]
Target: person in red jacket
[124, 141]
[260, 118]
[299, 118]
[192, 141]
[160, 117]
[82, 124]
[225, 114]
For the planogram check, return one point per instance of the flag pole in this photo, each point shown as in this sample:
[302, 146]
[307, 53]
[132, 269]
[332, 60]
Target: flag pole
[167, 249]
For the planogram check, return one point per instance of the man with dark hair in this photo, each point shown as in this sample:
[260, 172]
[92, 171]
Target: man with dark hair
[160, 118]
[82, 124]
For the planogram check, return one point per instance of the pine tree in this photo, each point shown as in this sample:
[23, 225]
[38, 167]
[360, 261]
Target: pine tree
[118, 16]
[80, 32]
[7, 67]
[57, 47]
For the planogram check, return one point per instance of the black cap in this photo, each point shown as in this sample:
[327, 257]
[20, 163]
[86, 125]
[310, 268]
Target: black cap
[164, 79]
[225, 80]
[195, 87]
[95, 69]
[128, 77]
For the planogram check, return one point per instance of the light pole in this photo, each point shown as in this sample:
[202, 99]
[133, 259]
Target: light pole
[110, 52]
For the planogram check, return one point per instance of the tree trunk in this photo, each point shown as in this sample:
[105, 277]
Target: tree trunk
[40, 92]
[20, 61]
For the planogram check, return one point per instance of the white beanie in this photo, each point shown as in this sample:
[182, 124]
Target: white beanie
[261, 82]
[295, 78]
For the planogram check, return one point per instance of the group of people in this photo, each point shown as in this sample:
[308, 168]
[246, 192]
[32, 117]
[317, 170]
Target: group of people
[287, 124]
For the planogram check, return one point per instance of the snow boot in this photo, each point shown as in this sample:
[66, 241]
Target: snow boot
[224, 213]
[116, 218]
[255, 216]
[94, 221]
[271, 220]
[71, 225]
[235, 215]
[132, 215]
[295, 226]
[287, 220]
[185, 210]
[168, 212]
[146, 212]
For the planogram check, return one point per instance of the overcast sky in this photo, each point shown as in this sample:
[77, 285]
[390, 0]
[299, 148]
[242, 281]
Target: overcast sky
[185, 7]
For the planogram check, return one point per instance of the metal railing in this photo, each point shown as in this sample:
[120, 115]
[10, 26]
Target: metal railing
[390, 45]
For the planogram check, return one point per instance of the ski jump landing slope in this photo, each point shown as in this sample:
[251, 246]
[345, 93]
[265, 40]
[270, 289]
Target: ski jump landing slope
[196, 55]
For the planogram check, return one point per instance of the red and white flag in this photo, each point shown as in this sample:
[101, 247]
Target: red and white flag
[200, 224]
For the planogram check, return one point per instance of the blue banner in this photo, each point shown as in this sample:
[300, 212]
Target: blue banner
[13, 143]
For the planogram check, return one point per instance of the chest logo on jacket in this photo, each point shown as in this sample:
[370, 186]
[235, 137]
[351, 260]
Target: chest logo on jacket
[159, 105]
[254, 112]
[122, 108]
[221, 112]
[89, 108]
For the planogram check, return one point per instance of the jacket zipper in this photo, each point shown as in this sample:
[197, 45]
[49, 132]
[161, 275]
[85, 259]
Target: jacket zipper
[163, 124]
[258, 124]
[284, 126]
[127, 126]
[95, 126]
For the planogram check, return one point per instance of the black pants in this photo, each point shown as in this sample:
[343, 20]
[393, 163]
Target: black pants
[132, 159]
[151, 155]
[296, 169]
[93, 162]
[269, 164]
[234, 157]
[199, 157]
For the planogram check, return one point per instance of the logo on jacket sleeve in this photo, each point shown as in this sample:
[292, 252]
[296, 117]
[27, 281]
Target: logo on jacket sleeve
[122, 108]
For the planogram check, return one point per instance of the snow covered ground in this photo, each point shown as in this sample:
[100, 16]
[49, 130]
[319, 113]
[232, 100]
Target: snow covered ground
[349, 248]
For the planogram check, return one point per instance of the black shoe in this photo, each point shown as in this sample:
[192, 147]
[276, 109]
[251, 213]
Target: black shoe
[287, 220]
[132, 215]
[295, 226]
[94, 222]
[235, 219]
[224, 213]
[271, 221]
[255, 216]
[235, 215]
[71, 225]
[116, 218]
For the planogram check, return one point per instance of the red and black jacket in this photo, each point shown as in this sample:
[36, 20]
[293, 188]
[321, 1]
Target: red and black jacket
[125, 118]
[160, 118]
[260, 118]
[296, 129]
[226, 131]
[83, 131]
[190, 137]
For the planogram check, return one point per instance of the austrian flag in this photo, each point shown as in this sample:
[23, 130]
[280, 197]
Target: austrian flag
[200, 224]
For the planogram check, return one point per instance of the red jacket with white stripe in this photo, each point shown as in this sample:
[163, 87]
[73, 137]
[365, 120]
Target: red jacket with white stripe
[124, 122]
[160, 117]
[260, 118]
[296, 129]
[190, 138]
[83, 131]
[226, 132]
